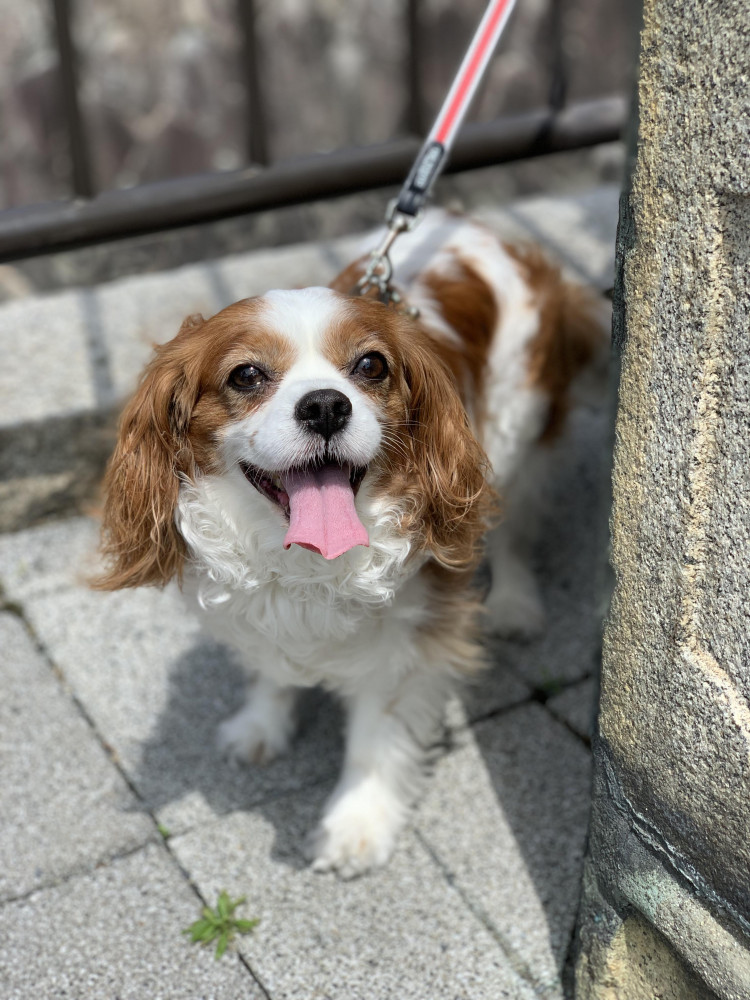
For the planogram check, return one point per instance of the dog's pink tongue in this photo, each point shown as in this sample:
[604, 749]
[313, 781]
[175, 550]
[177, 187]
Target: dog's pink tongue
[321, 511]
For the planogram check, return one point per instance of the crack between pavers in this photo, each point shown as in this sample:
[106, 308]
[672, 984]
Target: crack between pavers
[569, 964]
[586, 740]
[542, 697]
[68, 691]
[516, 962]
[537, 696]
[204, 902]
[80, 871]
[494, 713]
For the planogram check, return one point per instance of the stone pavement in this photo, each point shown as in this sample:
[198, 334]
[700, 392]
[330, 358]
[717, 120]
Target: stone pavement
[119, 818]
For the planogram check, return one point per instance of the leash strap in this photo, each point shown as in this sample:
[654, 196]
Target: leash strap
[405, 211]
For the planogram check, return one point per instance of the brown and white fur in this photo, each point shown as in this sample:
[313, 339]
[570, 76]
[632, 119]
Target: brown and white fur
[468, 396]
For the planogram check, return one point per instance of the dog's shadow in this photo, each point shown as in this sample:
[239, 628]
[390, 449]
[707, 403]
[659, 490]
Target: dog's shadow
[183, 778]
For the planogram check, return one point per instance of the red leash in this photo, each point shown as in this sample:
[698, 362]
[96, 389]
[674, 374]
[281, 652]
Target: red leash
[404, 212]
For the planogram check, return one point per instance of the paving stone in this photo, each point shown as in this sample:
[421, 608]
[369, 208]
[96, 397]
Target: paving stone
[577, 705]
[116, 933]
[506, 815]
[48, 558]
[64, 805]
[157, 689]
[43, 347]
[242, 275]
[398, 932]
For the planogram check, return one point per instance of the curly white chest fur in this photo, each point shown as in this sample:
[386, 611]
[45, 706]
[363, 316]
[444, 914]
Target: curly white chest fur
[292, 615]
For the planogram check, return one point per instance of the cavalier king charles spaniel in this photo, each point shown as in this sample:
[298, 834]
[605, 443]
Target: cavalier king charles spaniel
[319, 471]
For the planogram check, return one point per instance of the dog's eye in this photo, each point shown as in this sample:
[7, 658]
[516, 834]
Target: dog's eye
[247, 377]
[372, 366]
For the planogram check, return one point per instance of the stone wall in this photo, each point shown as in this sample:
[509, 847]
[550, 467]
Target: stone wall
[666, 909]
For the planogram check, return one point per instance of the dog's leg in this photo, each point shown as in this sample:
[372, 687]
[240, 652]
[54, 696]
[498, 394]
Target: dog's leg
[262, 729]
[513, 606]
[388, 732]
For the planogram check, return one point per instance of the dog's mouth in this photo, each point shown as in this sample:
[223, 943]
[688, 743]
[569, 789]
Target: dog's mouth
[272, 484]
[318, 502]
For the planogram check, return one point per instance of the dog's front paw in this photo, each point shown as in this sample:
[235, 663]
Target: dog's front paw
[250, 737]
[358, 830]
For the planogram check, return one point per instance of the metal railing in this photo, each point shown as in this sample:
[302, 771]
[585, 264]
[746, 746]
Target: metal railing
[92, 217]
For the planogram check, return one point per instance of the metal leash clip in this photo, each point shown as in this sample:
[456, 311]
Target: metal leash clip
[380, 267]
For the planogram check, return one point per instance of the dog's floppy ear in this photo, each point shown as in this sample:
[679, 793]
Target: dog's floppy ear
[450, 498]
[140, 541]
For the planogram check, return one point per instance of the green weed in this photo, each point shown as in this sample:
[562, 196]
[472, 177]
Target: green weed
[220, 924]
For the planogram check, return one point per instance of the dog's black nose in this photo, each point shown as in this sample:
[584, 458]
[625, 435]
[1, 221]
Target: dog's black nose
[324, 411]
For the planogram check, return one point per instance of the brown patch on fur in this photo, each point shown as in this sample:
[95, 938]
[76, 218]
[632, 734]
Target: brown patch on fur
[468, 306]
[569, 334]
[433, 463]
[168, 430]
[346, 281]
[363, 326]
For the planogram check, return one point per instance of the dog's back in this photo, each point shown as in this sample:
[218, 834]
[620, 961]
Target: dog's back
[513, 331]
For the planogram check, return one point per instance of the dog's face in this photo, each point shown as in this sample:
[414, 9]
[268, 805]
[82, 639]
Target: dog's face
[307, 393]
[316, 391]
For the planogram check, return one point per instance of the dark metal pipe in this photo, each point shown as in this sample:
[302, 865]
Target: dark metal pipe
[256, 142]
[28, 232]
[82, 176]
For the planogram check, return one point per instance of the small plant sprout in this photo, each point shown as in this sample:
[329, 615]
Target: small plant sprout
[220, 923]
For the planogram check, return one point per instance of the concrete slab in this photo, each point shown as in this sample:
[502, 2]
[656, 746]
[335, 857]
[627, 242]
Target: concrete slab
[157, 689]
[64, 805]
[506, 816]
[399, 932]
[115, 933]
[577, 706]
[43, 346]
[52, 557]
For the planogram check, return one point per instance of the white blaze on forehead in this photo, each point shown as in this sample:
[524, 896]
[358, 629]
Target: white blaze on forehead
[272, 438]
[303, 316]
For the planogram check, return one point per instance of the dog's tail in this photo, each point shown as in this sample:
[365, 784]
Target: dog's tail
[569, 355]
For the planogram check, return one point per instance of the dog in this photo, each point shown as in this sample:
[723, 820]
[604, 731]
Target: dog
[319, 472]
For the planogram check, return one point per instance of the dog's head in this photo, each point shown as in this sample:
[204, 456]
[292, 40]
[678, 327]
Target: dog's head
[307, 393]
